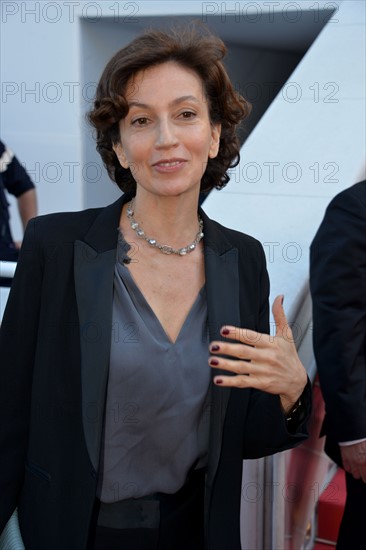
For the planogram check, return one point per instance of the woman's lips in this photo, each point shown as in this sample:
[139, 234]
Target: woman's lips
[171, 165]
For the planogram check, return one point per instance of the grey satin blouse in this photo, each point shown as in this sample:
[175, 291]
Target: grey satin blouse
[157, 407]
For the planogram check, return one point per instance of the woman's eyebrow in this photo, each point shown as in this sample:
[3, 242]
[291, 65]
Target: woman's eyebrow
[184, 98]
[172, 103]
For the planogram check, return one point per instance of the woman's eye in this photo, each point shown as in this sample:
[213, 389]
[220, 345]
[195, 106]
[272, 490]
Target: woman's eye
[188, 114]
[141, 121]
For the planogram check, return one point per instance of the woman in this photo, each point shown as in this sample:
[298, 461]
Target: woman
[146, 373]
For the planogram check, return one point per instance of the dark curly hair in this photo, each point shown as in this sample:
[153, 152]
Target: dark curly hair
[195, 48]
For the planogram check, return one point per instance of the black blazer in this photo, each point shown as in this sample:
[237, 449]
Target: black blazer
[55, 344]
[338, 287]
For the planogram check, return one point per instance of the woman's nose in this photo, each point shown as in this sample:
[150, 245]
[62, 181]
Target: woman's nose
[166, 135]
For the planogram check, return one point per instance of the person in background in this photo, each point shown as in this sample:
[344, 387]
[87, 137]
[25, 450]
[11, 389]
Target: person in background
[338, 288]
[146, 371]
[15, 180]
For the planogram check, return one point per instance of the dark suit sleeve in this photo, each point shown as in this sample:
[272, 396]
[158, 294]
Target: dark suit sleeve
[338, 287]
[18, 337]
[269, 431]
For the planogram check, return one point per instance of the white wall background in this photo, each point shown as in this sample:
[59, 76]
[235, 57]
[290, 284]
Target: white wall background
[309, 145]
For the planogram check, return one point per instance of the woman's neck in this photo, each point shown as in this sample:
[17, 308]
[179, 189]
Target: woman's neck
[168, 220]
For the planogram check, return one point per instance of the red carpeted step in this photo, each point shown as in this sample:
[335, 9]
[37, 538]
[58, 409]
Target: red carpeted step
[330, 510]
[322, 546]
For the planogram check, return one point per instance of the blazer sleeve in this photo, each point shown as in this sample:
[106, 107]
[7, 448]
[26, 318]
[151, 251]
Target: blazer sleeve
[269, 431]
[18, 340]
[338, 287]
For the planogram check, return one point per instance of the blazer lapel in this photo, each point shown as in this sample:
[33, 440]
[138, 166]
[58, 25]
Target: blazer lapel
[222, 286]
[94, 261]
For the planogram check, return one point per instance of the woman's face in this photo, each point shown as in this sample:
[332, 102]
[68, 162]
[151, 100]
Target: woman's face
[166, 137]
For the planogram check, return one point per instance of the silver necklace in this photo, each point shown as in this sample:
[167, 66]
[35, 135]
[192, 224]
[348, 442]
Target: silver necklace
[164, 248]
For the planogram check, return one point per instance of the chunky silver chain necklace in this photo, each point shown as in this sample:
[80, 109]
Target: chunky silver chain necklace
[164, 248]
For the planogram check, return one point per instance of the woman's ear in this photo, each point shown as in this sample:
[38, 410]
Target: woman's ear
[118, 149]
[215, 141]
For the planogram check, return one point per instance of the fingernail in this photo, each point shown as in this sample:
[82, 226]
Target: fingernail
[215, 347]
[225, 331]
[282, 300]
[214, 362]
[218, 381]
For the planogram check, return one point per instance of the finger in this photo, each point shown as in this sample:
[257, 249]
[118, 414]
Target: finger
[244, 335]
[239, 351]
[282, 326]
[233, 381]
[230, 365]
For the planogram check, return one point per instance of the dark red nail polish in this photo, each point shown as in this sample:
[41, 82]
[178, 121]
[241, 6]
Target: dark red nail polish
[214, 362]
[225, 331]
[215, 347]
[218, 381]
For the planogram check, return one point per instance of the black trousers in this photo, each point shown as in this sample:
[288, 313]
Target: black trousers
[180, 524]
[352, 532]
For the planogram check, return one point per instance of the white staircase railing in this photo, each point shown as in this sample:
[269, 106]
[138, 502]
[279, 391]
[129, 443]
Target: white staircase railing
[7, 270]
